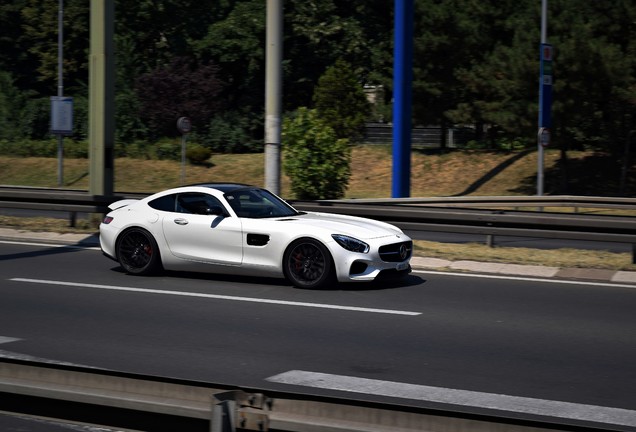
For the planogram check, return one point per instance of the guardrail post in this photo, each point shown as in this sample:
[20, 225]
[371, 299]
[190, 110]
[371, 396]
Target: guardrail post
[633, 253]
[223, 416]
[234, 409]
[490, 240]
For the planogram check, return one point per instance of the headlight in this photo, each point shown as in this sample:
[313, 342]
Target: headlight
[350, 243]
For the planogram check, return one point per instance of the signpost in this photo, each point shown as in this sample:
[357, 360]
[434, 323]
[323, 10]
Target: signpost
[185, 126]
[61, 107]
[545, 96]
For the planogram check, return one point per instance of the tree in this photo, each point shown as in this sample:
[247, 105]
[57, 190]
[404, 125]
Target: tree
[182, 88]
[11, 104]
[341, 102]
[40, 28]
[316, 160]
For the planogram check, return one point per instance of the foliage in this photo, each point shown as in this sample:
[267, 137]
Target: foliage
[35, 122]
[182, 88]
[10, 105]
[44, 148]
[316, 160]
[129, 126]
[231, 132]
[198, 155]
[475, 65]
[340, 101]
[40, 34]
[168, 149]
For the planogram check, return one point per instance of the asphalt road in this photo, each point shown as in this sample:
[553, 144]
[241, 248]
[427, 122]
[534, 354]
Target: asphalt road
[561, 345]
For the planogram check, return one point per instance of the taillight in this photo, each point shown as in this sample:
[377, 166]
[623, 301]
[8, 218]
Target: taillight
[107, 220]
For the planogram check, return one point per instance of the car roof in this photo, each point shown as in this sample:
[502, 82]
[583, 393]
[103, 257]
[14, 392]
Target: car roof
[225, 187]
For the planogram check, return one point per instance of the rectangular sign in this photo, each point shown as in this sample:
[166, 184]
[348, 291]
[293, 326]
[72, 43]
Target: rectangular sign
[61, 115]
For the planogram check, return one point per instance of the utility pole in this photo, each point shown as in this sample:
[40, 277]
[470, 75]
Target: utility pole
[545, 97]
[273, 94]
[102, 97]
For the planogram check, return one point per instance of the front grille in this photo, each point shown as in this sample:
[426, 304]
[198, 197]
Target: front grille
[396, 252]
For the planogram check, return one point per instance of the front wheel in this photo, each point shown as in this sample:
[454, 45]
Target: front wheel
[137, 252]
[307, 264]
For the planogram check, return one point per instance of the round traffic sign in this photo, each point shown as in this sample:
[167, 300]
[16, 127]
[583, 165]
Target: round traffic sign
[184, 125]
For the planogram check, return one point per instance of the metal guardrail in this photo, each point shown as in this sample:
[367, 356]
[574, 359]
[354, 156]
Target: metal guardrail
[570, 201]
[451, 214]
[117, 399]
[412, 215]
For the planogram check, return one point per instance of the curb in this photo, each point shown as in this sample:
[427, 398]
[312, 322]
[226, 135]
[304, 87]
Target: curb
[581, 274]
[417, 262]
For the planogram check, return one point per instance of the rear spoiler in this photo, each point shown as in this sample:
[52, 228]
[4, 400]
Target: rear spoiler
[122, 203]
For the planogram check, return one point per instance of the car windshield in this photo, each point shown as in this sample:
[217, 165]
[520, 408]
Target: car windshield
[258, 203]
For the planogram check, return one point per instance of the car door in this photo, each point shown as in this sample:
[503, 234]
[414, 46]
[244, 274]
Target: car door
[192, 233]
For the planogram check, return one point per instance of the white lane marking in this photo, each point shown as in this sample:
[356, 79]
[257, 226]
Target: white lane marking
[48, 423]
[217, 297]
[51, 245]
[494, 401]
[19, 356]
[526, 279]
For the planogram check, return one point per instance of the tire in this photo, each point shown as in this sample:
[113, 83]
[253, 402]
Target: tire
[308, 264]
[138, 253]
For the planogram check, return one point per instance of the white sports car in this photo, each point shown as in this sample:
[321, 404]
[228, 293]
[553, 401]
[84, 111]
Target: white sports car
[240, 229]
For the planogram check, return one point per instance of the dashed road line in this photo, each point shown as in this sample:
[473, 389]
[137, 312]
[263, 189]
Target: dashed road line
[217, 297]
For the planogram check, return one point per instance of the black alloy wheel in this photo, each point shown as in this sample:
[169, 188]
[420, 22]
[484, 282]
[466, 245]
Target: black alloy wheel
[137, 252]
[308, 264]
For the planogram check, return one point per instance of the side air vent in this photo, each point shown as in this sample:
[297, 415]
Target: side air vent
[257, 239]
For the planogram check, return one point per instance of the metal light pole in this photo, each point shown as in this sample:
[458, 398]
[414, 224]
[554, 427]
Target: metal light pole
[273, 94]
[545, 96]
[60, 89]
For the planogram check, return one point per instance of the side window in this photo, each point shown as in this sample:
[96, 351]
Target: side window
[165, 203]
[198, 203]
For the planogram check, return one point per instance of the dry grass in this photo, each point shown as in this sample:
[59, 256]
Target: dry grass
[433, 174]
[573, 258]
[445, 174]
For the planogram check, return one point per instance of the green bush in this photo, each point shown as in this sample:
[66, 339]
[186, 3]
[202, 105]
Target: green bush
[230, 133]
[169, 149]
[135, 150]
[29, 148]
[198, 155]
[315, 159]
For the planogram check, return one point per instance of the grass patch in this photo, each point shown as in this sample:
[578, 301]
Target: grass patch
[572, 258]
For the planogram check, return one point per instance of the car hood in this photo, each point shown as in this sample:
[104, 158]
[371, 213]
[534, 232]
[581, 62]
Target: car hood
[360, 228]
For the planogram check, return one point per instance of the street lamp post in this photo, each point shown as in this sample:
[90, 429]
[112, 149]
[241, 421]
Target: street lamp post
[545, 97]
[60, 89]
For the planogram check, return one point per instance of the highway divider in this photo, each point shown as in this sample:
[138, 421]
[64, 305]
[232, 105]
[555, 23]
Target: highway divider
[125, 400]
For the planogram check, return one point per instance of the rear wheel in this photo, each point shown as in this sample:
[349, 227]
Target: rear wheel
[138, 253]
[308, 264]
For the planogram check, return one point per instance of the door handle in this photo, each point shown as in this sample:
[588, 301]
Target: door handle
[181, 221]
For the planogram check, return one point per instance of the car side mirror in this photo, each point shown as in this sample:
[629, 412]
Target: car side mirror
[216, 210]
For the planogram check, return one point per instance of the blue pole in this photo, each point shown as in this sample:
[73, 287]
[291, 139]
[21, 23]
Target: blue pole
[402, 83]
